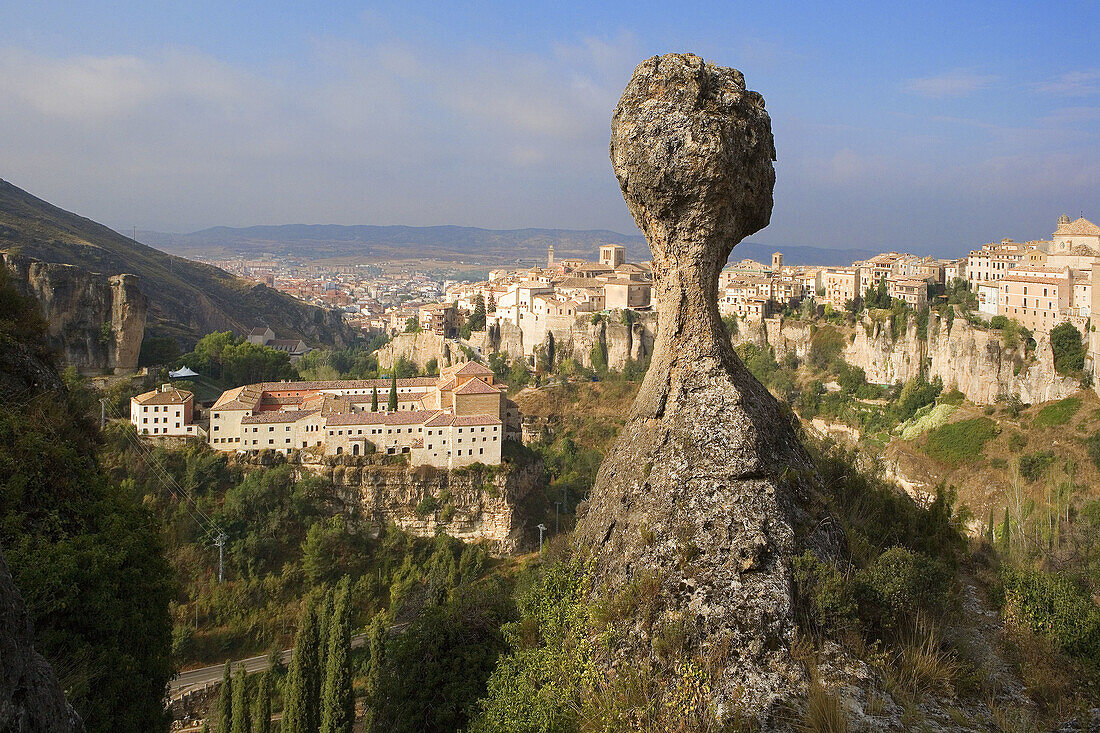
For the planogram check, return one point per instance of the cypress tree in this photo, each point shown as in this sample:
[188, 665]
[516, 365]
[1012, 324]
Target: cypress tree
[989, 528]
[337, 702]
[374, 400]
[324, 623]
[393, 391]
[300, 696]
[263, 704]
[376, 644]
[242, 719]
[224, 713]
[1006, 538]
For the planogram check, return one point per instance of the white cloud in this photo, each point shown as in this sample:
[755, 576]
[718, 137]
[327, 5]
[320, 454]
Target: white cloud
[360, 133]
[1082, 83]
[958, 83]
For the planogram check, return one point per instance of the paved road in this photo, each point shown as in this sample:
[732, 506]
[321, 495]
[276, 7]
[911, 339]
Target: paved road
[197, 679]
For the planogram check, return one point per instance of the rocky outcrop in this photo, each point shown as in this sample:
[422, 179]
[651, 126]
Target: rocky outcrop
[96, 322]
[707, 489]
[968, 358]
[31, 699]
[495, 504]
[419, 349]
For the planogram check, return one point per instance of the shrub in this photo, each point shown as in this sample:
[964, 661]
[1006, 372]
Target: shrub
[1034, 465]
[961, 441]
[825, 346]
[825, 602]
[1069, 351]
[427, 505]
[1053, 606]
[898, 585]
[1092, 445]
[1057, 413]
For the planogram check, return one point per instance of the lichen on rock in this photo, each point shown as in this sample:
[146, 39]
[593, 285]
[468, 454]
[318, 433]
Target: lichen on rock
[707, 488]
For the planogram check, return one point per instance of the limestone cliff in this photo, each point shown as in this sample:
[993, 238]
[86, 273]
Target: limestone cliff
[620, 337]
[31, 698]
[96, 322]
[707, 489]
[497, 504]
[968, 358]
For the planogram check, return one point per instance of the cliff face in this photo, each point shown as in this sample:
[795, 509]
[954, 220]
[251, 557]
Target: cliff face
[31, 698]
[419, 348]
[621, 340]
[496, 504]
[96, 322]
[970, 359]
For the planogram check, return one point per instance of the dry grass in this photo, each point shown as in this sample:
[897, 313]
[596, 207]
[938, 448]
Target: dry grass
[824, 711]
[921, 665]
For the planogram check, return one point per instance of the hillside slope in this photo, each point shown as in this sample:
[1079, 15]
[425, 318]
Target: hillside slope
[186, 299]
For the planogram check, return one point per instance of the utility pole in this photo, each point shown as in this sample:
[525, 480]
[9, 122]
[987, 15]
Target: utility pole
[102, 412]
[542, 528]
[220, 542]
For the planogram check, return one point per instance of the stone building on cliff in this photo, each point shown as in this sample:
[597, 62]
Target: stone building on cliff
[460, 418]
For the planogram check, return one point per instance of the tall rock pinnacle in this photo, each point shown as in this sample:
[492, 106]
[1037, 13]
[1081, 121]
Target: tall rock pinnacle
[707, 488]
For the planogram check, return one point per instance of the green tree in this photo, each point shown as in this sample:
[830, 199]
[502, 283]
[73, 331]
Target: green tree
[84, 551]
[262, 709]
[393, 391]
[492, 305]
[376, 648]
[374, 399]
[224, 714]
[338, 704]
[242, 718]
[477, 319]
[412, 325]
[301, 693]
[1069, 351]
[324, 622]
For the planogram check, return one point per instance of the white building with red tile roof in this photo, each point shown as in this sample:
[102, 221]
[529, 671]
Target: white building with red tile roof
[454, 420]
[165, 412]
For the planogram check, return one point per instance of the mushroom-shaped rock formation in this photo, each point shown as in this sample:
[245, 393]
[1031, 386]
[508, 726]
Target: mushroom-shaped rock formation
[707, 488]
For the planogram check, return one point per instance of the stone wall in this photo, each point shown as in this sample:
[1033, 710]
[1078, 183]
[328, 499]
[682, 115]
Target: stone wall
[96, 322]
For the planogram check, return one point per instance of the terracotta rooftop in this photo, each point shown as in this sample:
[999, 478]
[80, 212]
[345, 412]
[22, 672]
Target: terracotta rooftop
[415, 417]
[170, 397]
[277, 416]
[1079, 227]
[477, 386]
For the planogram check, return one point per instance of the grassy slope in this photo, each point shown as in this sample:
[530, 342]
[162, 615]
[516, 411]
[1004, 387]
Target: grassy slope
[984, 480]
[186, 299]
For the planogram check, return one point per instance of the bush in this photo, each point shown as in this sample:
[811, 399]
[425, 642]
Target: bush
[1053, 606]
[1034, 465]
[825, 346]
[1057, 413]
[961, 441]
[1069, 351]
[898, 585]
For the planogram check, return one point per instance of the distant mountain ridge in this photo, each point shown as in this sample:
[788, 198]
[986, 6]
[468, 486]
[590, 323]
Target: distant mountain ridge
[497, 247]
[186, 299]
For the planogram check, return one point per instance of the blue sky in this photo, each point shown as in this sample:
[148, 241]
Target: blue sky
[931, 127]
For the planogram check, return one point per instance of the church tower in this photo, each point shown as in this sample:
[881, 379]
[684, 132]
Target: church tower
[777, 261]
[550, 257]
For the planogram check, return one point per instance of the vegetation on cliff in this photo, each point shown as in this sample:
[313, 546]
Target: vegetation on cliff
[86, 555]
